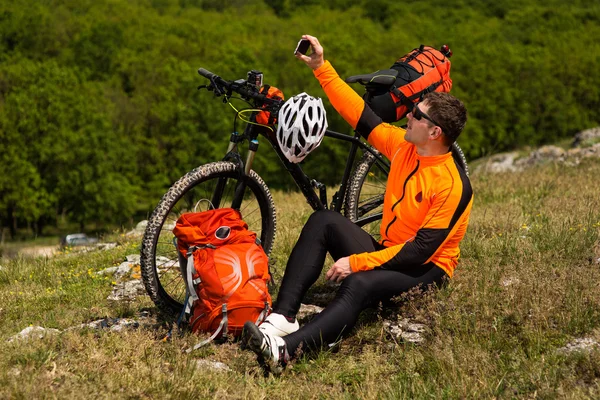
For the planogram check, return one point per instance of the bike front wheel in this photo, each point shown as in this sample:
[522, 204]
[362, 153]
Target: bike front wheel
[366, 190]
[209, 186]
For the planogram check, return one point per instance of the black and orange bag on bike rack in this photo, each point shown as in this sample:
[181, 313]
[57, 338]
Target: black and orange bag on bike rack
[225, 270]
[265, 117]
[421, 71]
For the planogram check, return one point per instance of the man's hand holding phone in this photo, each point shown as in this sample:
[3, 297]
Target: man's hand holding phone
[315, 59]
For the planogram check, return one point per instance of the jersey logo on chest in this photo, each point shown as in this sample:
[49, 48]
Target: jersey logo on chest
[419, 197]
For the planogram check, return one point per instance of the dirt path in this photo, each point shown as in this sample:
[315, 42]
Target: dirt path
[39, 251]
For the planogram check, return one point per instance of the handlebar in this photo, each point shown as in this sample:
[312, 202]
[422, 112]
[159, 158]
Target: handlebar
[206, 73]
[244, 88]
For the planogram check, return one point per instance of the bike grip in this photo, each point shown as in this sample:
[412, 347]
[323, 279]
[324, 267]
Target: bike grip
[206, 73]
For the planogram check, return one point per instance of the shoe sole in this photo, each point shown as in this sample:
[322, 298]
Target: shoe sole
[252, 338]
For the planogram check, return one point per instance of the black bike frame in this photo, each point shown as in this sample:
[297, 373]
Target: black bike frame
[304, 182]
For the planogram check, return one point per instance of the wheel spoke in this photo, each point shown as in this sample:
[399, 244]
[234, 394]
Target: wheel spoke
[367, 194]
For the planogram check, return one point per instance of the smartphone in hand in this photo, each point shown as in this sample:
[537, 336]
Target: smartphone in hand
[302, 47]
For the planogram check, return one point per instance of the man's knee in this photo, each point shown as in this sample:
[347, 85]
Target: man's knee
[322, 218]
[357, 281]
[356, 287]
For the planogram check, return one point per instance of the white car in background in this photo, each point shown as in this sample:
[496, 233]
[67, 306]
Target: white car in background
[77, 239]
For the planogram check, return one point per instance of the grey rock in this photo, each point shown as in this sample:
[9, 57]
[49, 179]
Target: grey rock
[106, 246]
[406, 331]
[124, 323]
[548, 153]
[509, 282]
[164, 263]
[139, 229]
[123, 269]
[542, 155]
[33, 332]
[591, 151]
[412, 337]
[107, 271]
[584, 137]
[98, 324]
[212, 365]
[308, 311]
[127, 291]
[580, 345]
[503, 162]
[116, 324]
[586, 144]
[141, 226]
[164, 260]
[133, 258]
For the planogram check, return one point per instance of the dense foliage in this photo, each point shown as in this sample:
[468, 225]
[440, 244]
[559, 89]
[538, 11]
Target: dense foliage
[99, 110]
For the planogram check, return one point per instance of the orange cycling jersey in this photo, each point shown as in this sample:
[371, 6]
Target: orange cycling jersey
[427, 200]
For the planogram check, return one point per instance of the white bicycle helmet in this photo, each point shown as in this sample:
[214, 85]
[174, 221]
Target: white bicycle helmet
[302, 125]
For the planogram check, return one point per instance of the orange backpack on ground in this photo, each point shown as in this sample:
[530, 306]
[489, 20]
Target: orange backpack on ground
[226, 272]
[421, 71]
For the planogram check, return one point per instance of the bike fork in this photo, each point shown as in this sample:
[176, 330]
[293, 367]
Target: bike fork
[243, 168]
[241, 185]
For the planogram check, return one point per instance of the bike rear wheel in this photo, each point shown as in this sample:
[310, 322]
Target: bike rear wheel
[364, 198]
[209, 186]
[366, 190]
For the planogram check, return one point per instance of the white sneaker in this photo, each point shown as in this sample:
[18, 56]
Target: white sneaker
[278, 325]
[270, 349]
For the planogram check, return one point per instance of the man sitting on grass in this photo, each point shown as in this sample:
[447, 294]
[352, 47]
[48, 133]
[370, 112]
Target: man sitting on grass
[426, 211]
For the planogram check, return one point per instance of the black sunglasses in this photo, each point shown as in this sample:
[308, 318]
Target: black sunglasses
[418, 114]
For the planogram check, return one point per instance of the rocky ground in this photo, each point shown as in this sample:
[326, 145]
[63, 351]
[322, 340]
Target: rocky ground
[128, 286]
[585, 144]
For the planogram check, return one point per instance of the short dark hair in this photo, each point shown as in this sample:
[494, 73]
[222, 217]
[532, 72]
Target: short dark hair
[449, 112]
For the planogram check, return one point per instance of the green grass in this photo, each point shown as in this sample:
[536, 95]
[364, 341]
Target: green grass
[526, 285]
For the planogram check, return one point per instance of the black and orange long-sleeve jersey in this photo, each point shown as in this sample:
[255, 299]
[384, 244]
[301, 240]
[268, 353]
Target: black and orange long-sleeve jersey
[427, 200]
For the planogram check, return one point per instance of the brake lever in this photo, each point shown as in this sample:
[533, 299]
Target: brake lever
[210, 88]
[214, 87]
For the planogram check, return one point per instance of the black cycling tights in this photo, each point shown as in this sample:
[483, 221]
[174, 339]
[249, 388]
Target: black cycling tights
[329, 231]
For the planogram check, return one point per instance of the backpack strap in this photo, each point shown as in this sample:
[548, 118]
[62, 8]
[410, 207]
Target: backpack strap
[428, 89]
[222, 328]
[189, 273]
[263, 314]
[404, 101]
[409, 101]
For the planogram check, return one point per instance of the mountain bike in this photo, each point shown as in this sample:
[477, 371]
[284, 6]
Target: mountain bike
[233, 183]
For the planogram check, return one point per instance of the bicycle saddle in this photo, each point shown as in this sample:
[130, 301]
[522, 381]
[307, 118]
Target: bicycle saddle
[383, 77]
